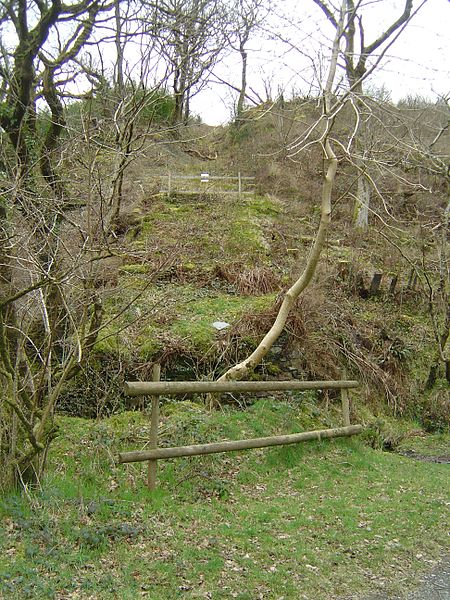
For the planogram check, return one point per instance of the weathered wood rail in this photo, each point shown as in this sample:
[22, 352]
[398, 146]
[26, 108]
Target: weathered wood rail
[232, 445]
[155, 388]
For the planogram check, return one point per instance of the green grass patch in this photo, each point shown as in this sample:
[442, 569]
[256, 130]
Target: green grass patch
[246, 236]
[150, 315]
[194, 321]
[436, 444]
[316, 520]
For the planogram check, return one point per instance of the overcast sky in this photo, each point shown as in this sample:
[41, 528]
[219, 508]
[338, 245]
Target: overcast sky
[418, 63]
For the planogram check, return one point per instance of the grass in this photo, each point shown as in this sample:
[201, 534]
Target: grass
[195, 321]
[208, 230]
[311, 521]
[180, 312]
[427, 445]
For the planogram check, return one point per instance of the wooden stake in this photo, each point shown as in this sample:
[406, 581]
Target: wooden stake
[393, 284]
[153, 463]
[345, 404]
[375, 285]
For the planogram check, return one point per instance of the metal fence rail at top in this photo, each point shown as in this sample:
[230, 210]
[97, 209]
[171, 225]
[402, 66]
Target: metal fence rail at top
[240, 184]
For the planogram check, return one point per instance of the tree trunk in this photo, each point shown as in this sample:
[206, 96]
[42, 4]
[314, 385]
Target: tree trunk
[122, 160]
[178, 95]
[119, 49]
[362, 202]
[187, 107]
[241, 99]
[243, 368]
[53, 133]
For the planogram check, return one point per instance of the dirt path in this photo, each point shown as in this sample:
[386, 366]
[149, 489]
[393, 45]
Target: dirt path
[443, 459]
[434, 586]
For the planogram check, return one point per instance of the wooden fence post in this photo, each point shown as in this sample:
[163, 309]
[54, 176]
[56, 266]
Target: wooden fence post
[152, 464]
[239, 185]
[345, 404]
[375, 285]
[393, 284]
[169, 184]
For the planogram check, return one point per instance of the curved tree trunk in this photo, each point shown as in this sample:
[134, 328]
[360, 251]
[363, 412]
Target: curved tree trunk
[243, 368]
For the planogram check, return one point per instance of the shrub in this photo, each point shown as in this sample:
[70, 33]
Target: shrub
[436, 411]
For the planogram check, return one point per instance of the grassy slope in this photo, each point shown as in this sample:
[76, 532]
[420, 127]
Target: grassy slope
[181, 243]
[316, 521]
[192, 255]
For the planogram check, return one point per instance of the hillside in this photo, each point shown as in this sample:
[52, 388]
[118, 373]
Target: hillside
[189, 258]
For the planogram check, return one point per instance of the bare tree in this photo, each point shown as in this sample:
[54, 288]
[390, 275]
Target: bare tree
[190, 37]
[49, 310]
[321, 133]
[20, 73]
[358, 57]
[245, 17]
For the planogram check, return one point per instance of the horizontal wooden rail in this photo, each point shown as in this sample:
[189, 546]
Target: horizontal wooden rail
[278, 440]
[149, 388]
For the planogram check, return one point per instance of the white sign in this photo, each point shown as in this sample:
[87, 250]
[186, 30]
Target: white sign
[219, 325]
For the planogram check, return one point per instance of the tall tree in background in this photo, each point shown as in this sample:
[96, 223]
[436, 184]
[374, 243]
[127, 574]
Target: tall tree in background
[359, 57]
[190, 36]
[245, 16]
[27, 70]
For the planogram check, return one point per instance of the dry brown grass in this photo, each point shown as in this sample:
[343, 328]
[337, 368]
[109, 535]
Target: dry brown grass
[254, 281]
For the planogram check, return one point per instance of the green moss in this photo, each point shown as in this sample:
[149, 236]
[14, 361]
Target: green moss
[262, 206]
[190, 266]
[148, 344]
[108, 345]
[272, 368]
[134, 269]
[245, 238]
[195, 323]
[245, 235]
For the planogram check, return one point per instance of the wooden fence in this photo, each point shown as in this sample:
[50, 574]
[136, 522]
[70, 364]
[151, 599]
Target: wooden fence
[156, 387]
[207, 184]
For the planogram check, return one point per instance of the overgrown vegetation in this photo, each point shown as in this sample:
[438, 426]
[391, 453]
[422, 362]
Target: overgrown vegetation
[110, 264]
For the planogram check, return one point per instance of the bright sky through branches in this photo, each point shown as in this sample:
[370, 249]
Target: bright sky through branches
[417, 64]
